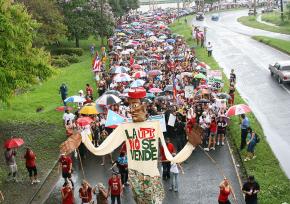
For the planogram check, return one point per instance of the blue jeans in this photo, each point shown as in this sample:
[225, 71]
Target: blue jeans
[174, 181]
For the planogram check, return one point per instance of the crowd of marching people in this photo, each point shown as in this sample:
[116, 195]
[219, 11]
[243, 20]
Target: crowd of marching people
[144, 53]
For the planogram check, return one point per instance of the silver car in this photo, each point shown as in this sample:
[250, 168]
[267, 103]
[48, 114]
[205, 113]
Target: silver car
[281, 70]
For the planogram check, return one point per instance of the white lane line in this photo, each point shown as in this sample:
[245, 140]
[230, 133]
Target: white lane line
[283, 86]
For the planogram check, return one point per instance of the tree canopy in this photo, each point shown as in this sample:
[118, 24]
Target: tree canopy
[20, 63]
[52, 27]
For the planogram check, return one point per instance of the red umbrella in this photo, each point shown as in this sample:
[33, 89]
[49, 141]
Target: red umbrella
[154, 72]
[238, 110]
[63, 108]
[13, 143]
[139, 74]
[84, 121]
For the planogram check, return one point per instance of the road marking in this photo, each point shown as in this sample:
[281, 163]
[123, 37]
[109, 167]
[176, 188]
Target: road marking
[283, 86]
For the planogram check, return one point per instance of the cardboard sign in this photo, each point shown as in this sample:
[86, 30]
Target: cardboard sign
[171, 120]
[188, 91]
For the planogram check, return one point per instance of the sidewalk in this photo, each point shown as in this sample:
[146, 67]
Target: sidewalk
[198, 185]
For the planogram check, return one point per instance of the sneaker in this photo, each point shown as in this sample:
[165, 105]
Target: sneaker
[102, 164]
[176, 190]
[36, 181]
[223, 143]
[170, 188]
[254, 157]
[246, 159]
[206, 149]
[212, 148]
[218, 143]
[32, 182]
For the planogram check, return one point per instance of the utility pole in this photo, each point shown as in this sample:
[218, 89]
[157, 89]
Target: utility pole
[282, 15]
[255, 7]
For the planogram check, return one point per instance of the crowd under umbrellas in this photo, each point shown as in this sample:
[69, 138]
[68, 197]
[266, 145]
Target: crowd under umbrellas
[146, 54]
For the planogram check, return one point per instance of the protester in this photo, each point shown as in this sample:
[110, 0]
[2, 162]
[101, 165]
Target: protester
[251, 144]
[10, 155]
[245, 123]
[67, 194]
[166, 164]
[68, 117]
[209, 49]
[63, 92]
[233, 77]
[115, 189]
[65, 163]
[251, 188]
[221, 131]
[85, 193]
[174, 172]
[122, 163]
[212, 135]
[101, 194]
[31, 165]
[225, 191]
[104, 134]
[89, 91]
[232, 94]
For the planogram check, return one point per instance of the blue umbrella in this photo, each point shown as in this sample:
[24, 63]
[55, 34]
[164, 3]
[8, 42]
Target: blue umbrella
[137, 83]
[75, 99]
[150, 95]
[170, 41]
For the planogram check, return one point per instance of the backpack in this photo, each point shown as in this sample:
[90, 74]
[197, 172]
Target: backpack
[257, 138]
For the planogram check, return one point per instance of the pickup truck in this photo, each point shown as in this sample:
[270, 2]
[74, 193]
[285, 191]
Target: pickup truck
[281, 70]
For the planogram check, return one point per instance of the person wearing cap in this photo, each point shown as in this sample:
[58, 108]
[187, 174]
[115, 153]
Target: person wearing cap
[115, 189]
[251, 188]
[101, 194]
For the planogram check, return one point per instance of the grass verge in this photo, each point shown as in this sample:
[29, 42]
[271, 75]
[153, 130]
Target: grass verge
[42, 131]
[275, 18]
[274, 183]
[282, 45]
[252, 22]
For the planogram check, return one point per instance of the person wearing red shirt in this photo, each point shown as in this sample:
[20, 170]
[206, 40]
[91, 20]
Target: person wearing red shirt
[31, 165]
[212, 135]
[115, 188]
[225, 191]
[89, 91]
[65, 163]
[165, 163]
[86, 193]
[67, 194]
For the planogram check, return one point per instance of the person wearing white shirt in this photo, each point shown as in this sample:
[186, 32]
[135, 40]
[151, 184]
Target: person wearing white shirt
[209, 49]
[68, 117]
[174, 171]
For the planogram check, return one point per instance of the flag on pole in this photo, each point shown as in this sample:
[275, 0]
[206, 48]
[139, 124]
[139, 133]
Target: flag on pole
[97, 64]
[114, 119]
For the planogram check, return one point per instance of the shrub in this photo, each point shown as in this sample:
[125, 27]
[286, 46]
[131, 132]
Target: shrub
[70, 58]
[58, 62]
[67, 51]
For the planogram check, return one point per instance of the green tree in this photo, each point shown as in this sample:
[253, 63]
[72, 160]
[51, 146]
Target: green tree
[76, 19]
[47, 13]
[288, 11]
[116, 8]
[20, 63]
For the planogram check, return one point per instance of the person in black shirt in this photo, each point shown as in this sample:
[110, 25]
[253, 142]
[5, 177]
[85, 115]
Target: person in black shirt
[251, 189]
[232, 77]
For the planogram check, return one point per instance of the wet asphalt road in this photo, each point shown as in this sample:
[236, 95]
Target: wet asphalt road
[199, 184]
[270, 101]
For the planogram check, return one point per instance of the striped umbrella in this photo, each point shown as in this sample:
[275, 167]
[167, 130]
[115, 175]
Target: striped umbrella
[238, 110]
[137, 83]
[108, 99]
